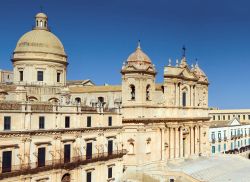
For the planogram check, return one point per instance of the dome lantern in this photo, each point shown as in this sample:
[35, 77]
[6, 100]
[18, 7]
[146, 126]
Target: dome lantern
[41, 21]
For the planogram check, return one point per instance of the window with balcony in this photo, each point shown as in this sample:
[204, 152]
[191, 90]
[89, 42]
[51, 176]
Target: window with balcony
[67, 122]
[219, 149]
[41, 122]
[110, 147]
[66, 153]
[89, 121]
[41, 157]
[39, 75]
[89, 150]
[7, 122]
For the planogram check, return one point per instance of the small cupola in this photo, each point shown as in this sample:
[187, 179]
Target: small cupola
[41, 21]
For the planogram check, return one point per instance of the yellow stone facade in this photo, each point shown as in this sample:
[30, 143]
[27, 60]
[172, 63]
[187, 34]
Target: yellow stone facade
[137, 126]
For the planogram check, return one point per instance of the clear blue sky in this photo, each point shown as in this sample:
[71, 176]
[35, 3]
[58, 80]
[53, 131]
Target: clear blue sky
[99, 35]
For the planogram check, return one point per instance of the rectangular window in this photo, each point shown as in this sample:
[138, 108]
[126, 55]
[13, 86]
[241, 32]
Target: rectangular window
[110, 172]
[219, 135]
[225, 147]
[39, 75]
[6, 161]
[244, 117]
[219, 149]
[110, 120]
[224, 118]
[248, 117]
[41, 122]
[41, 157]
[232, 146]
[58, 76]
[213, 149]
[7, 122]
[20, 76]
[88, 176]
[89, 151]
[110, 147]
[228, 117]
[67, 121]
[213, 135]
[213, 117]
[238, 116]
[218, 117]
[89, 121]
[66, 153]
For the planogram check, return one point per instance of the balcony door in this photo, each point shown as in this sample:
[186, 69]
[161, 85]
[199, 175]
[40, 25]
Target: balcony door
[66, 153]
[6, 161]
[110, 147]
[89, 151]
[41, 157]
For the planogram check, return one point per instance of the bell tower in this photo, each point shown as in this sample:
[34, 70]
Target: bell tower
[138, 80]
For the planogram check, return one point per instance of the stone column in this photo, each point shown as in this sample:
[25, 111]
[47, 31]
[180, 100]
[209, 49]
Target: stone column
[191, 140]
[177, 143]
[181, 142]
[196, 138]
[171, 143]
[199, 133]
[162, 144]
[168, 142]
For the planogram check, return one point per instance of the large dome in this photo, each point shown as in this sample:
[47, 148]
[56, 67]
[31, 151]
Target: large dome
[39, 40]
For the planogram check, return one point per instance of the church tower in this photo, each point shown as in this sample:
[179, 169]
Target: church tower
[138, 81]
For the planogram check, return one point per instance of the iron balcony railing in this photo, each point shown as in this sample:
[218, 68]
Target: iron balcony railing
[70, 163]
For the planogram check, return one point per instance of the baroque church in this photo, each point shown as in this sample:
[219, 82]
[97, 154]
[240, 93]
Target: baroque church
[52, 129]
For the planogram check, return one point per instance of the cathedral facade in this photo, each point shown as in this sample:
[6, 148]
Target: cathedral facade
[55, 131]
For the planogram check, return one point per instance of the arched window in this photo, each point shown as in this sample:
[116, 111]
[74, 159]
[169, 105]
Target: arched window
[66, 177]
[77, 100]
[101, 99]
[45, 24]
[148, 92]
[148, 146]
[184, 99]
[37, 23]
[131, 148]
[132, 92]
[41, 23]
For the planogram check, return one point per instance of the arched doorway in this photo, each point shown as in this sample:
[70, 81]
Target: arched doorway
[66, 177]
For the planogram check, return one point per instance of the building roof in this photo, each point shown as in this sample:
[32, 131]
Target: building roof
[80, 82]
[93, 89]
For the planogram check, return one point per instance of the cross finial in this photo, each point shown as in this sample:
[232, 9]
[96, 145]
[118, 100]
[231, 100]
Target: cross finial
[184, 51]
[139, 44]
